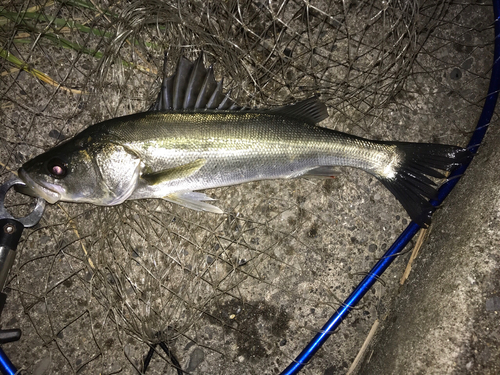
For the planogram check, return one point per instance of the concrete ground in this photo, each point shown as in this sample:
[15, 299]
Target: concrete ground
[243, 292]
[446, 318]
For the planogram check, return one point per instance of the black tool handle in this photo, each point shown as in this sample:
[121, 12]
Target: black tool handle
[10, 233]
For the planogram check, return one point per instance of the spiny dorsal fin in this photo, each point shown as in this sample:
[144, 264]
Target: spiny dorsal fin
[209, 85]
[191, 87]
[196, 80]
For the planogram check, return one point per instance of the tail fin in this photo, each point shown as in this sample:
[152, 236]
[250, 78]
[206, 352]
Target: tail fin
[411, 186]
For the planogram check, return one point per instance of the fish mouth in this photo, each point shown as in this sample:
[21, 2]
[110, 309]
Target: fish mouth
[36, 189]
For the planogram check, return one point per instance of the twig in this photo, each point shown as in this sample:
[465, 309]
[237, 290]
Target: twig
[414, 254]
[363, 348]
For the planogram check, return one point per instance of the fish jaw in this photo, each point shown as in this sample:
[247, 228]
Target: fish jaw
[47, 191]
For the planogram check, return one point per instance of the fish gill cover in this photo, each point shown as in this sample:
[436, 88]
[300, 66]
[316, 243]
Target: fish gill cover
[93, 287]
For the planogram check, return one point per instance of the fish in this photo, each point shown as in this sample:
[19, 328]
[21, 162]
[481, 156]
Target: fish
[195, 137]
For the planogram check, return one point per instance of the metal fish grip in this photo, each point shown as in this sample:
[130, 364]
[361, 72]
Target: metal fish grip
[11, 229]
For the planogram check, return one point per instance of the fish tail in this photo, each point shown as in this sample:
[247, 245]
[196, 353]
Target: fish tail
[411, 184]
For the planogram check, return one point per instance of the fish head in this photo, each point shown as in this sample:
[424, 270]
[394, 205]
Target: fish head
[83, 169]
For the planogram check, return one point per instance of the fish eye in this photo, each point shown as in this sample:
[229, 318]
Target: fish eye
[57, 168]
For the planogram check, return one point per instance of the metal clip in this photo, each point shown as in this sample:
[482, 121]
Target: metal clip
[28, 221]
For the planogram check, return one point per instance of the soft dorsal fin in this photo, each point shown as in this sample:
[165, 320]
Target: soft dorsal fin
[310, 110]
[191, 87]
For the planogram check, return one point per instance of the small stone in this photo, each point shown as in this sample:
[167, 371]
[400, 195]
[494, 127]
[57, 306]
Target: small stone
[493, 303]
[456, 74]
[42, 366]
[54, 133]
[196, 357]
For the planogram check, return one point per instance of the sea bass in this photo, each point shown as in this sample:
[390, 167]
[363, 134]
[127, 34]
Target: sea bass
[194, 138]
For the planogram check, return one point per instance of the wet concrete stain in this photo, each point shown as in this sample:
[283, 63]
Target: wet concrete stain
[251, 322]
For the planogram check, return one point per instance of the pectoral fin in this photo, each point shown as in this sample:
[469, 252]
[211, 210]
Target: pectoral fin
[182, 171]
[193, 200]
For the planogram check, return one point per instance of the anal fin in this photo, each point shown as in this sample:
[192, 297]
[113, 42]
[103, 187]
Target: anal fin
[193, 200]
[322, 172]
[316, 172]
